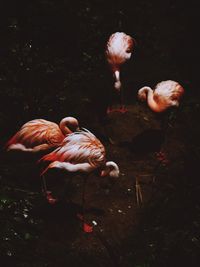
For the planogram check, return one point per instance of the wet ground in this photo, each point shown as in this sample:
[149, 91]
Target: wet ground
[52, 66]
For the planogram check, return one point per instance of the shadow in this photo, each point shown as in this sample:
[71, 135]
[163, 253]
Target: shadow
[148, 141]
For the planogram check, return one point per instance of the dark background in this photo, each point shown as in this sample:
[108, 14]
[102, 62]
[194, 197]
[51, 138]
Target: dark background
[52, 54]
[52, 65]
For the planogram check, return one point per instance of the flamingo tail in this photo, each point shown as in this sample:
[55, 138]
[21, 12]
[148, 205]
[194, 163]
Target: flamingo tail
[11, 141]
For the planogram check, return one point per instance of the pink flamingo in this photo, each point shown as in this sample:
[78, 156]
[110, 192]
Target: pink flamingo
[165, 95]
[41, 135]
[81, 152]
[118, 51]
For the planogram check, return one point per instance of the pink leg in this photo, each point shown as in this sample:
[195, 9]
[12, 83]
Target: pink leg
[47, 193]
[86, 227]
[50, 198]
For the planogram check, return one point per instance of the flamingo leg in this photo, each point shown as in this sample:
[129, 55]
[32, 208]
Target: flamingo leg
[139, 197]
[44, 189]
[83, 196]
[86, 227]
[122, 109]
[122, 106]
[47, 193]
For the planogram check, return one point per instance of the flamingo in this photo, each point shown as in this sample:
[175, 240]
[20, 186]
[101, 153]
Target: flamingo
[118, 51]
[41, 135]
[166, 94]
[81, 152]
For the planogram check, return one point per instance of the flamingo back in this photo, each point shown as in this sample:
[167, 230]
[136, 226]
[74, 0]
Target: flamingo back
[38, 132]
[119, 49]
[168, 92]
[79, 147]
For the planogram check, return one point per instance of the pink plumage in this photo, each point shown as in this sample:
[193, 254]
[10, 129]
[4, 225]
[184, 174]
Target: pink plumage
[40, 134]
[166, 94]
[81, 152]
[84, 153]
[118, 51]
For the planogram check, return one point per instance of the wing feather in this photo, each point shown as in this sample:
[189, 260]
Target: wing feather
[38, 132]
[79, 147]
[168, 92]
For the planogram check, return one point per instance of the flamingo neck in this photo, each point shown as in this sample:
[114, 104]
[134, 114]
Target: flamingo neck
[68, 125]
[117, 80]
[111, 169]
[153, 104]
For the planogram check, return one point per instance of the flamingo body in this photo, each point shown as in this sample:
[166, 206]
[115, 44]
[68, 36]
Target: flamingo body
[81, 152]
[165, 94]
[118, 51]
[40, 134]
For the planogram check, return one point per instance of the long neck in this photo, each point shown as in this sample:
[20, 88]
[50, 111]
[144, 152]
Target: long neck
[68, 125]
[111, 169]
[151, 100]
[117, 80]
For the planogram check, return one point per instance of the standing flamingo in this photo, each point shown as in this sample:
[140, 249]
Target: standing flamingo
[165, 95]
[81, 152]
[41, 135]
[118, 51]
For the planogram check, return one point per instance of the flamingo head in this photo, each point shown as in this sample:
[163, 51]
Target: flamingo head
[142, 93]
[129, 43]
[111, 169]
[69, 125]
[176, 95]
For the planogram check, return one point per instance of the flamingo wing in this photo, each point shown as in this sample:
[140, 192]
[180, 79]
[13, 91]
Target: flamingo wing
[79, 147]
[119, 48]
[168, 92]
[38, 132]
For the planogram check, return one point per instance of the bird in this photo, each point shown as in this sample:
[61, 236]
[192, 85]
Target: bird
[166, 94]
[41, 135]
[81, 152]
[119, 49]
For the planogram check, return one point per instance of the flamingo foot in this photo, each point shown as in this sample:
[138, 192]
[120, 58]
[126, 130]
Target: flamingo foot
[50, 198]
[86, 227]
[109, 110]
[122, 110]
[161, 156]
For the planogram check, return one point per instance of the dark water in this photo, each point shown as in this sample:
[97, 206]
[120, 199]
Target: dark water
[52, 65]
